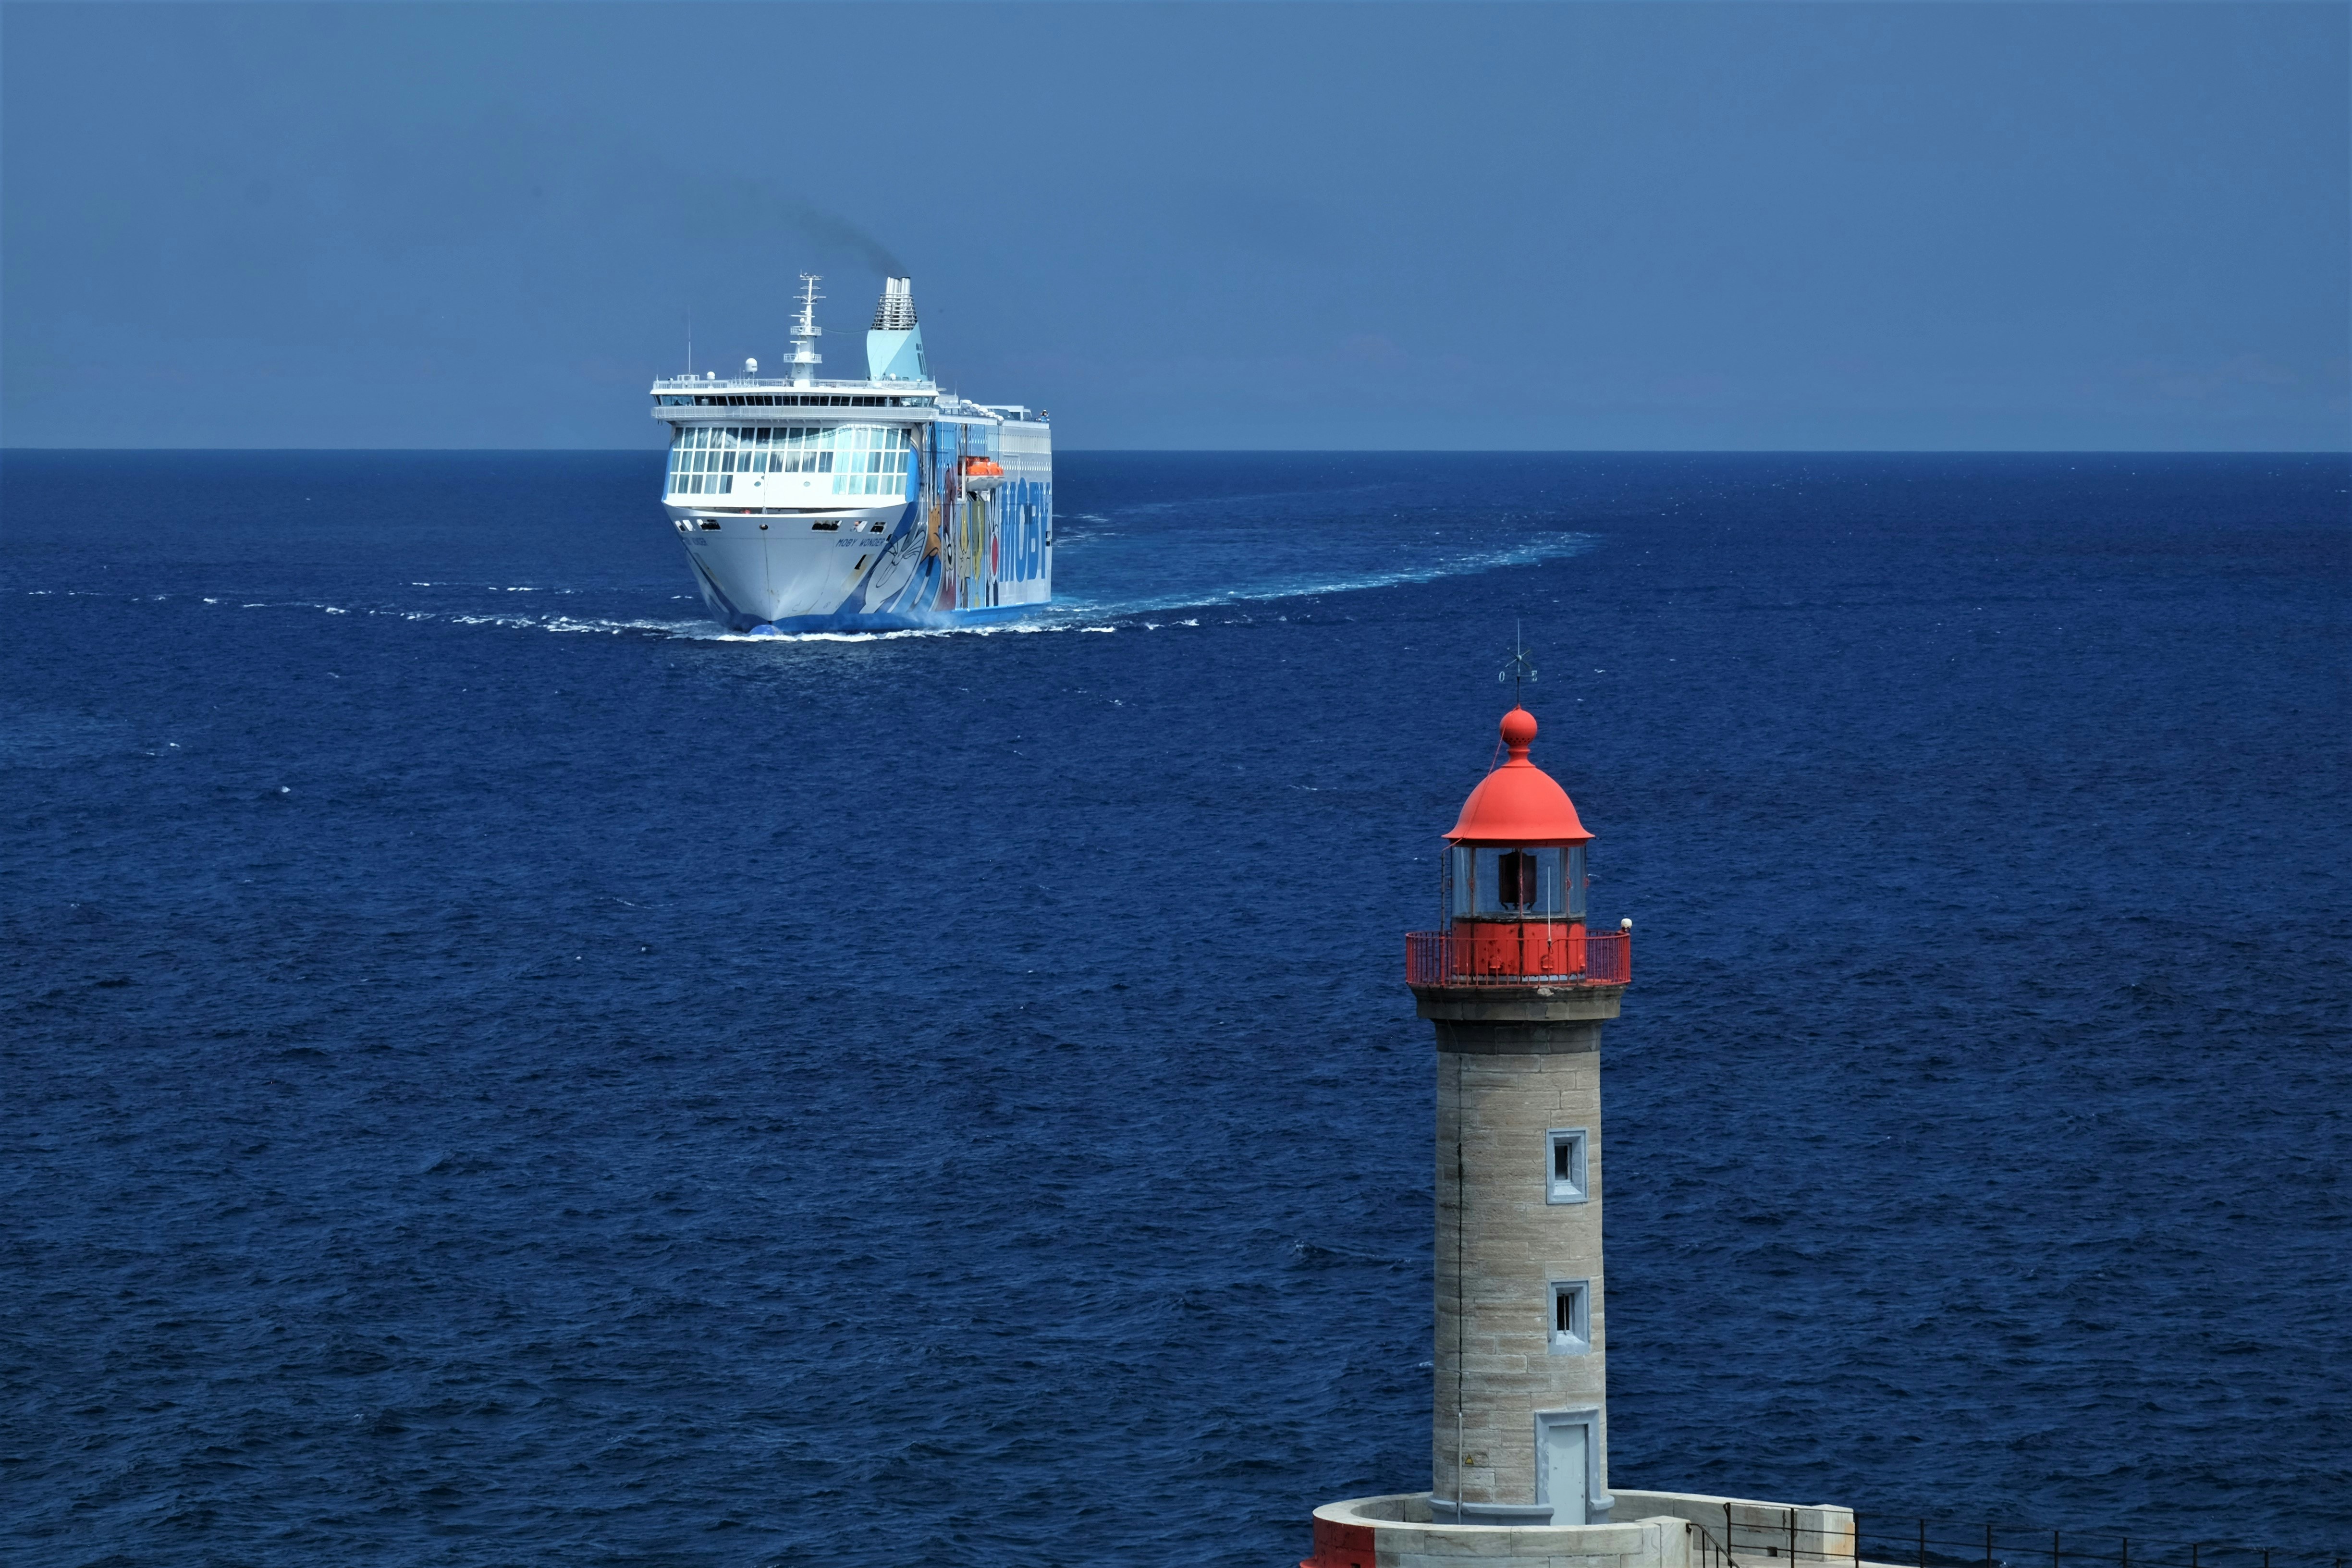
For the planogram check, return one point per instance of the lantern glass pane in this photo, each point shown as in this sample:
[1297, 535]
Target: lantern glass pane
[1512, 884]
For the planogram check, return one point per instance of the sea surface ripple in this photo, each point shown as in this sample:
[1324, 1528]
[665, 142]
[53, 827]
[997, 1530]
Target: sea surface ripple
[497, 1071]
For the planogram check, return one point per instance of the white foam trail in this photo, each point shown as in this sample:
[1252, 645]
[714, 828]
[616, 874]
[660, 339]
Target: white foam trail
[1549, 547]
[1067, 614]
[715, 633]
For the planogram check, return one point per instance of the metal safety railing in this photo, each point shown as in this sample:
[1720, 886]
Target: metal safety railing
[1705, 1550]
[1760, 1536]
[716, 383]
[1507, 954]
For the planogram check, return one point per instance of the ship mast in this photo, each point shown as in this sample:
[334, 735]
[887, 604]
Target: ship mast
[805, 332]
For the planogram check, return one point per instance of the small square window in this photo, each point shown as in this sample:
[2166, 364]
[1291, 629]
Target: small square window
[1564, 1165]
[1571, 1316]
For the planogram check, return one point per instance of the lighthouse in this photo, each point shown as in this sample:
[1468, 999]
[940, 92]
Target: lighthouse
[1517, 989]
[1516, 984]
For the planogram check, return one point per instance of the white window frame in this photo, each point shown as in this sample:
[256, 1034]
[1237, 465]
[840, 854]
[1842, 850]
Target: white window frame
[1578, 1187]
[1576, 1339]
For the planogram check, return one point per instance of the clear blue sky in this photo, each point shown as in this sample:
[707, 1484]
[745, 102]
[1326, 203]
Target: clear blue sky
[1815, 226]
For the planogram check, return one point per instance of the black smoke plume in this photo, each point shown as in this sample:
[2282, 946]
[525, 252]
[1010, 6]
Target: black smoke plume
[832, 229]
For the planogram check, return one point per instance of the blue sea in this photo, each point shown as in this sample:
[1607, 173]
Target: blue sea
[497, 1071]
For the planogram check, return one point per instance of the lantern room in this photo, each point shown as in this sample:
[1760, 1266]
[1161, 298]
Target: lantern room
[1518, 882]
[1515, 874]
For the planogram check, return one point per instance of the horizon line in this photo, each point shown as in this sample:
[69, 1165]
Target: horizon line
[2344, 451]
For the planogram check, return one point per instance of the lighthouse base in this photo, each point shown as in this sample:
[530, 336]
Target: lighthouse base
[1665, 1530]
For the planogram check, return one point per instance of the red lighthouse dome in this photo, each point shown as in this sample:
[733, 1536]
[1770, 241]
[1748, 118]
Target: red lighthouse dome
[1514, 887]
[1518, 802]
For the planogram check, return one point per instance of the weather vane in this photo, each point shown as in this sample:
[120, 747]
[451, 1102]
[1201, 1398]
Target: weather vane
[1521, 669]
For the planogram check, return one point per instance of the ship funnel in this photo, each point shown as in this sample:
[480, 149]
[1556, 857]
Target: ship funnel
[896, 312]
[894, 347]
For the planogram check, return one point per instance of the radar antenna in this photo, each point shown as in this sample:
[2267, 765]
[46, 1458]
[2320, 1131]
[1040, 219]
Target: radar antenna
[805, 332]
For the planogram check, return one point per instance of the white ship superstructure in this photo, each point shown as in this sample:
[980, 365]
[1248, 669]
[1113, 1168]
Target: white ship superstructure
[809, 504]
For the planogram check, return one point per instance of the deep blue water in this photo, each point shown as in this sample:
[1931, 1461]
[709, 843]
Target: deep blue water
[496, 1073]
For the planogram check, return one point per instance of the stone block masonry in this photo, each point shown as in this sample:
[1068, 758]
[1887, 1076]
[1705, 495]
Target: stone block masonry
[1506, 1245]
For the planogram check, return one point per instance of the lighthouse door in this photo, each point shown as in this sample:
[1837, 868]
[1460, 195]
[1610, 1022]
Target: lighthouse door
[1562, 1462]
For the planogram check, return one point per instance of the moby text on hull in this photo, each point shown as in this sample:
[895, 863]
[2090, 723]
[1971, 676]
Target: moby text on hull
[880, 504]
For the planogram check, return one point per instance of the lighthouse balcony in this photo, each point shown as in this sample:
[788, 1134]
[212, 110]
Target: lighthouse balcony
[1517, 953]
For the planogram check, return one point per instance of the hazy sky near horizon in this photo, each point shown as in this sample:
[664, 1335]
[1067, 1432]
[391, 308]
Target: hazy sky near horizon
[1461, 225]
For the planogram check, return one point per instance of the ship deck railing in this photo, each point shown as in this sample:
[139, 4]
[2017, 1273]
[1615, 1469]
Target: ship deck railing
[784, 383]
[901, 393]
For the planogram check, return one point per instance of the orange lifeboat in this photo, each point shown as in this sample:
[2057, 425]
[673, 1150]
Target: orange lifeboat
[982, 473]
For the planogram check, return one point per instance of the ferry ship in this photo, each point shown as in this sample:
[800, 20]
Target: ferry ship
[814, 505]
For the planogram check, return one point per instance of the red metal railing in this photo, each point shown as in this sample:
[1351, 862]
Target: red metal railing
[1509, 954]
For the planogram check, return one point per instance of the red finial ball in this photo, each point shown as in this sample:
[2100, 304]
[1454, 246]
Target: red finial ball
[1519, 730]
[1518, 802]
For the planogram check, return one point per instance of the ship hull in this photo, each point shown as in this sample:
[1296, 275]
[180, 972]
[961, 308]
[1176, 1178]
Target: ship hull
[756, 570]
[877, 568]
[966, 541]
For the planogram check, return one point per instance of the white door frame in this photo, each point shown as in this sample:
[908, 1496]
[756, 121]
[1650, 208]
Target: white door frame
[1597, 1504]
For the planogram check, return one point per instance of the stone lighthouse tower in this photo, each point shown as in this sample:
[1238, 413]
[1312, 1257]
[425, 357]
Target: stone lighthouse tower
[1517, 989]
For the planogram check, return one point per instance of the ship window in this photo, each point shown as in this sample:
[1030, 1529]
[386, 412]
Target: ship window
[874, 461]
